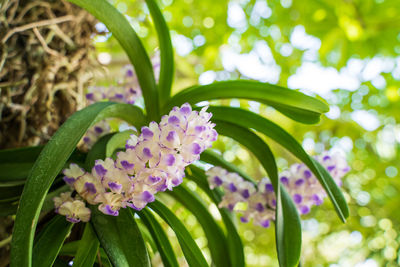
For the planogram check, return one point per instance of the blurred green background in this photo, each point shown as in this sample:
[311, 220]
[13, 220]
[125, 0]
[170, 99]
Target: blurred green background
[344, 51]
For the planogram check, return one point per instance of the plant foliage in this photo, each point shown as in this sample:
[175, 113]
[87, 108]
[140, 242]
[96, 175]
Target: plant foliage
[119, 240]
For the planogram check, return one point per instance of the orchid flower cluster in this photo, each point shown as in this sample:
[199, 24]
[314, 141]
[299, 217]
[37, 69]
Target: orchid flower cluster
[154, 161]
[298, 180]
[126, 91]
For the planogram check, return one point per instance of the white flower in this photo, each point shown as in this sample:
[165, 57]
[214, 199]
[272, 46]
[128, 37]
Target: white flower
[154, 161]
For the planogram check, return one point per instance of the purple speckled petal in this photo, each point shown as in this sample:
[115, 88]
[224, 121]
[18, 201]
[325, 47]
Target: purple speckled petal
[265, 223]
[231, 207]
[86, 139]
[331, 168]
[232, 187]
[244, 219]
[217, 181]
[129, 146]
[185, 110]
[108, 210]
[176, 181]
[147, 152]
[200, 129]
[297, 198]
[131, 205]
[307, 173]
[98, 129]
[299, 182]
[100, 170]
[154, 179]
[69, 180]
[90, 188]
[246, 193]
[147, 196]
[173, 120]
[304, 209]
[284, 180]
[162, 187]
[119, 96]
[126, 165]
[170, 160]
[147, 133]
[72, 219]
[269, 188]
[89, 96]
[196, 149]
[214, 135]
[171, 136]
[317, 200]
[129, 73]
[114, 186]
[260, 207]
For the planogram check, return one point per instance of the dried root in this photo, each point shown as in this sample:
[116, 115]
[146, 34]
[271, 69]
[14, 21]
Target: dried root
[46, 60]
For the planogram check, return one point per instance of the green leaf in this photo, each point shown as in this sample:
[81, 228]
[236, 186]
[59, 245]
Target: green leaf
[14, 173]
[18, 155]
[49, 164]
[8, 208]
[166, 52]
[299, 115]
[15, 169]
[118, 141]
[70, 249]
[288, 101]
[254, 121]
[148, 239]
[215, 236]
[190, 249]
[332, 189]
[10, 193]
[121, 29]
[88, 247]
[287, 221]
[120, 237]
[235, 246]
[160, 238]
[50, 241]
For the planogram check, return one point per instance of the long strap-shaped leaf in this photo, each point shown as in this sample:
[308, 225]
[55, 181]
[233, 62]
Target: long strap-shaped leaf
[8, 208]
[24, 154]
[71, 248]
[130, 42]
[192, 252]
[166, 52]
[160, 238]
[10, 193]
[215, 236]
[49, 164]
[88, 247]
[251, 120]
[235, 245]
[120, 237]
[15, 168]
[292, 103]
[288, 229]
[50, 241]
